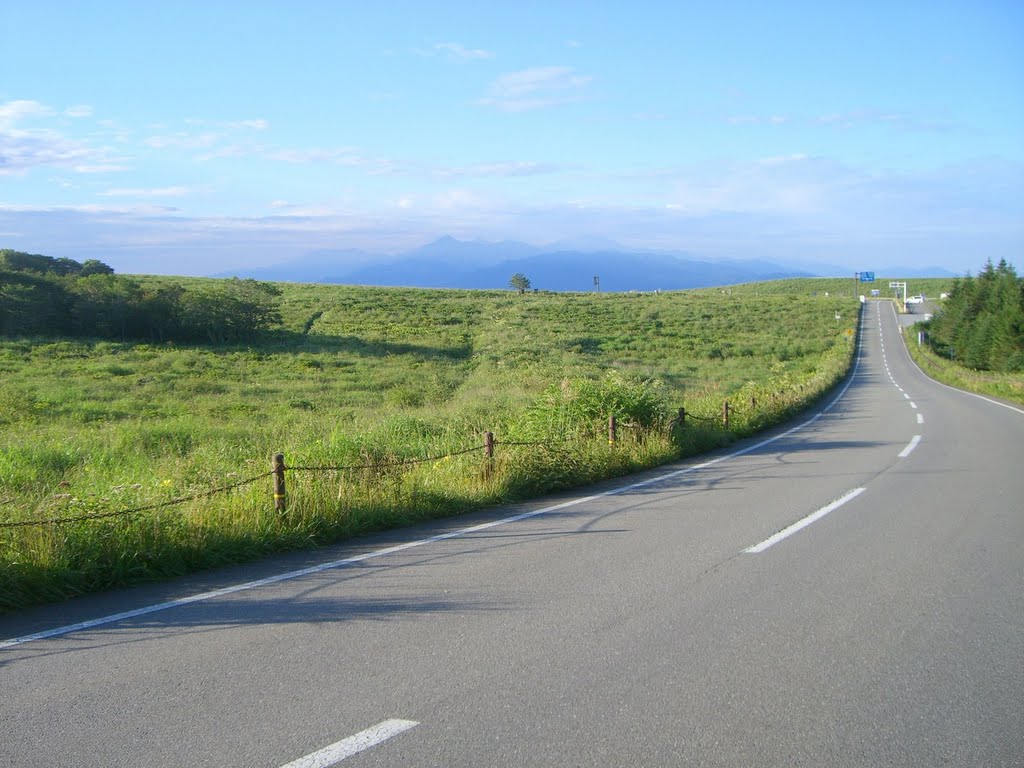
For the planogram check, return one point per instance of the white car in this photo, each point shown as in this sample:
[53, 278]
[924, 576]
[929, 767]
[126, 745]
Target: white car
[915, 299]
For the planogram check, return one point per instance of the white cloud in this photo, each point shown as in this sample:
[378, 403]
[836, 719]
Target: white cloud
[790, 185]
[535, 88]
[335, 155]
[22, 149]
[99, 168]
[79, 110]
[12, 112]
[756, 120]
[182, 140]
[897, 120]
[461, 53]
[789, 207]
[146, 193]
[259, 124]
[216, 138]
[506, 169]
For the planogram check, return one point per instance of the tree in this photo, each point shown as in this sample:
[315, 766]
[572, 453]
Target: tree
[230, 310]
[520, 282]
[982, 321]
[95, 267]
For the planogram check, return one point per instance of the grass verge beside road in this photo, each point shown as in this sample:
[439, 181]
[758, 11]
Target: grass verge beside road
[1004, 386]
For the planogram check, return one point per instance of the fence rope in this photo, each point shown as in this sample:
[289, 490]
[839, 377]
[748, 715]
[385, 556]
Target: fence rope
[702, 418]
[329, 468]
[147, 508]
[383, 464]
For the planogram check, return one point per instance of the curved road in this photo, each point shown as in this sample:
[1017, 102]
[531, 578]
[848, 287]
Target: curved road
[848, 591]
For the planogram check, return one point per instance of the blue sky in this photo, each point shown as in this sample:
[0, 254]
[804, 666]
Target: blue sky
[197, 137]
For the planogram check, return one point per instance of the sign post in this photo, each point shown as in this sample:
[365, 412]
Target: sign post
[861, 277]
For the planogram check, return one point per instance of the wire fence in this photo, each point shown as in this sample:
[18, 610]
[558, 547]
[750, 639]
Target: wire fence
[280, 469]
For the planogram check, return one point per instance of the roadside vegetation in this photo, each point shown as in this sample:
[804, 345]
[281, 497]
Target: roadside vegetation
[981, 323]
[976, 339]
[44, 296]
[379, 399]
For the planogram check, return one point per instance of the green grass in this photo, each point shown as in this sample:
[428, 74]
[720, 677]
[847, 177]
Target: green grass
[364, 379]
[1006, 386]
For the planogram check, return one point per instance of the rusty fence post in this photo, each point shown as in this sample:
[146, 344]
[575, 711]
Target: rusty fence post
[280, 500]
[725, 414]
[682, 417]
[613, 430]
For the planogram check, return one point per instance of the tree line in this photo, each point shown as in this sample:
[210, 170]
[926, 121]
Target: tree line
[46, 296]
[981, 324]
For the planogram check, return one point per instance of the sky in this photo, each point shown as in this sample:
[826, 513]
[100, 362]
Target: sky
[198, 137]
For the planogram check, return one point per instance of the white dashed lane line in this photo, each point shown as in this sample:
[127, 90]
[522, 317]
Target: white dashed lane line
[353, 745]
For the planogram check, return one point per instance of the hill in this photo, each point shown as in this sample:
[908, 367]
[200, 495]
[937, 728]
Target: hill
[451, 263]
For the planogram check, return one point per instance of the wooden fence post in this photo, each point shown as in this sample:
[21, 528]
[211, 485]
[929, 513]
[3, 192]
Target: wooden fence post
[488, 455]
[682, 417]
[753, 403]
[725, 414]
[279, 489]
[613, 432]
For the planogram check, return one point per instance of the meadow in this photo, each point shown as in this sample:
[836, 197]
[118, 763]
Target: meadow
[379, 399]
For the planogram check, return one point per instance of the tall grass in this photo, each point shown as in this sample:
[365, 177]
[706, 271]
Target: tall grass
[384, 387]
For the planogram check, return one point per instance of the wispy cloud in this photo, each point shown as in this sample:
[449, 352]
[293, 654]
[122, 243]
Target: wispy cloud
[183, 140]
[22, 149]
[79, 110]
[215, 133]
[334, 155]
[757, 120]
[849, 119]
[535, 88]
[146, 193]
[458, 52]
[898, 120]
[506, 169]
[12, 112]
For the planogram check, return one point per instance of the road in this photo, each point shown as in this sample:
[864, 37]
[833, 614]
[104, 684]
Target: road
[846, 591]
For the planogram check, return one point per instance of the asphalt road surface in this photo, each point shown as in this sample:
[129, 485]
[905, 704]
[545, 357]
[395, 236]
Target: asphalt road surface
[847, 591]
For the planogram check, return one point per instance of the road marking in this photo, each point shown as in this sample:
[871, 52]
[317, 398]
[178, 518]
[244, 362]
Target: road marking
[344, 562]
[920, 418]
[913, 405]
[799, 524]
[345, 748]
[910, 447]
[906, 395]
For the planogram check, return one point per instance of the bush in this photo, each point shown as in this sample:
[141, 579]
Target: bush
[582, 404]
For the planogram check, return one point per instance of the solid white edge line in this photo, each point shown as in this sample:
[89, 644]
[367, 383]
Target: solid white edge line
[335, 753]
[803, 523]
[66, 630]
[910, 447]
[956, 389]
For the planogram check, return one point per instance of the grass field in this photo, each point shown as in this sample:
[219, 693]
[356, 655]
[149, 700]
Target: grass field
[365, 381]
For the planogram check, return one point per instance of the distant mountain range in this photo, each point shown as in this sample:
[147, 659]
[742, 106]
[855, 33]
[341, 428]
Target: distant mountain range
[451, 263]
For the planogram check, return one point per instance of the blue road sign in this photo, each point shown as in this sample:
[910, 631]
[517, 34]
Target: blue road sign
[867, 277]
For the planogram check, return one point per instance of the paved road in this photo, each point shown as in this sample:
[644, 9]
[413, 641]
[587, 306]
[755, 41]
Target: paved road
[631, 625]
